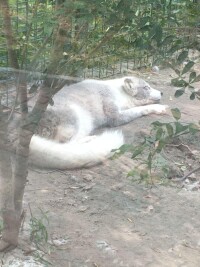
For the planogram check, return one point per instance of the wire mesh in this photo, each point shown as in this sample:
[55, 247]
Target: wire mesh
[33, 24]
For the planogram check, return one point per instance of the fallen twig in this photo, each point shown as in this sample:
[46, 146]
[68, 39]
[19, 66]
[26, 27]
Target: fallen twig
[187, 175]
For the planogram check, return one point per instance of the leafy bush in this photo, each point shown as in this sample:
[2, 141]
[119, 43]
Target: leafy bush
[148, 154]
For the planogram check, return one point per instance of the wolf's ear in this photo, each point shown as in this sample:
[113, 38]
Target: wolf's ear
[129, 87]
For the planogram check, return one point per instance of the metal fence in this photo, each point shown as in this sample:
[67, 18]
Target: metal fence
[32, 25]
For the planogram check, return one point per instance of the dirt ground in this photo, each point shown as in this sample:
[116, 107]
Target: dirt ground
[100, 218]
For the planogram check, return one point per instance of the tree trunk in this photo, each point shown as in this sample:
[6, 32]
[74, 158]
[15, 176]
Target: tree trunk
[12, 57]
[14, 188]
[10, 218]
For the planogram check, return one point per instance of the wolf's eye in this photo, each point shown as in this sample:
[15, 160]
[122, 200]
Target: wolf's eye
[146, 88]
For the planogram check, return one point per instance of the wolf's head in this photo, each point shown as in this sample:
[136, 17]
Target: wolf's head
[141, 92]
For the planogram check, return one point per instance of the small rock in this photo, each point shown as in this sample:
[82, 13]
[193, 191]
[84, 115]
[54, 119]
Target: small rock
[192, 187]
[82, 208]
[129, 195]
[103, 245]
[71, 202]
[74, 178]
[59, 242]
[117, 186]
[88, 187]
[150, 208]
[155, 69]
[192, 177]
[88, 177]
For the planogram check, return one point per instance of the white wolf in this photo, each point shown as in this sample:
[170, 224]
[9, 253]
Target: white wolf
[88, 105]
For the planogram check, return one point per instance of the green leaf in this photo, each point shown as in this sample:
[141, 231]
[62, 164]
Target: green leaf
[193, 128]
[167, 40]
[159, 133]
[138, 151]
[187, 67]
[160, 146]
[157, 33]
[197, 79]
[176, 113]
[179, 92]
[179, 82]
[192, 96]
[182, 56]
[123, 149]
[157, 123]
[144, 21]
[180, 127]
[177, 72]
[132, 173]
[174, 48]
[170, 129]
[192, 76]
[149, 160]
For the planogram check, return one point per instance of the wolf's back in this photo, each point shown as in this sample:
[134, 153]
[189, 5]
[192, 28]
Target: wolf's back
[75, 154]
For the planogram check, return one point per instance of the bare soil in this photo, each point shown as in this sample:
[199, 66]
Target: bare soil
[100, 218]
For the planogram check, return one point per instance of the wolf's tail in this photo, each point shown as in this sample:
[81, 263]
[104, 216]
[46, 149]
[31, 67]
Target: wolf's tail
[75, 154]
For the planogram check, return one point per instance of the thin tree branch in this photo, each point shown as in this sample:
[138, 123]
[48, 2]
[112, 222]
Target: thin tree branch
[187, 175]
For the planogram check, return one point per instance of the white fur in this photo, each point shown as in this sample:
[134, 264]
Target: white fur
[155, 94]
[85, 124]
[86, 106]
[74, 154]
[121, 98]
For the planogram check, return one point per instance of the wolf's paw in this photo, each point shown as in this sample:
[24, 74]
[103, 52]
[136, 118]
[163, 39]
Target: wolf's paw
[160, 109]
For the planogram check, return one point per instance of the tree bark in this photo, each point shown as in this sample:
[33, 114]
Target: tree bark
[14, 188]
[12, 57]
[8, 211]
